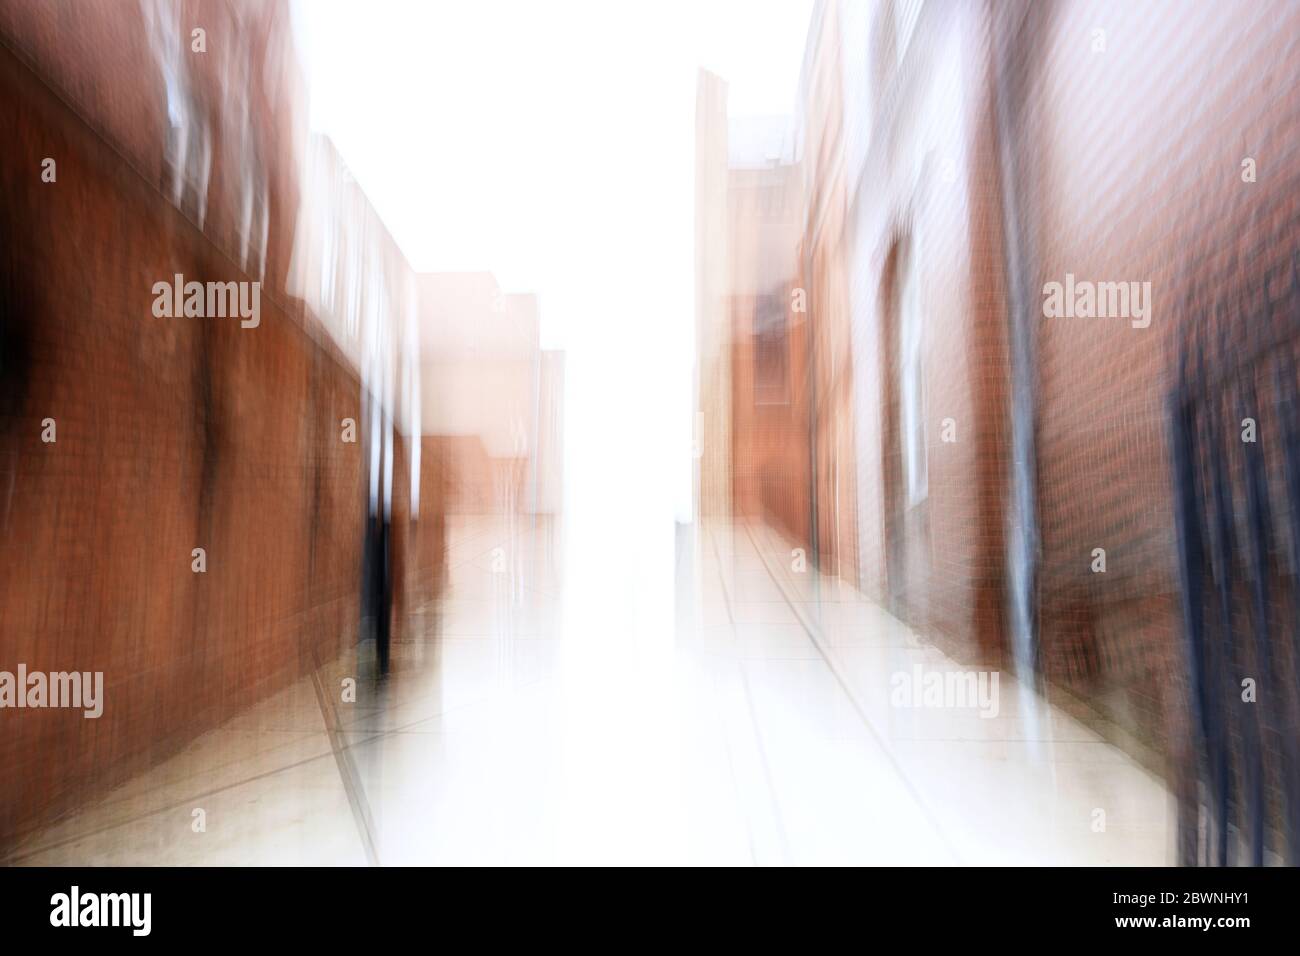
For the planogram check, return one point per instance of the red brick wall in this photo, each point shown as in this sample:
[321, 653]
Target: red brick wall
[100, 58]
[171, 434]
[1137, 176]
[832, 372]
[769, 400]
[823, 253]
[1129, 168]
[770, 469]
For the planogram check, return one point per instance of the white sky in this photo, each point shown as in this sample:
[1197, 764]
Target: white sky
[551, 142]
[495, 135]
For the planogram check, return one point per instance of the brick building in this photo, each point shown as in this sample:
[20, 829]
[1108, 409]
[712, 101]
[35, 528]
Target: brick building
[492, 422]
[958, 158]
[767, 340]
[171, 434]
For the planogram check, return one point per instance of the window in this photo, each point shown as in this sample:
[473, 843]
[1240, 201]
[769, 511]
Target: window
[911, 379]
[187, 150]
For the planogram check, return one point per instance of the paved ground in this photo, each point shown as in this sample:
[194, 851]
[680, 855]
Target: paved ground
[692, 700]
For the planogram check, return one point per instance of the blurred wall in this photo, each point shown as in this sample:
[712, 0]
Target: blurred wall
[989, 141]
[492, 397]
[768, 334]
[824, 270]
[129, 71]
[713, 444]
[171, 433]
[929, 368]
[1137, 174]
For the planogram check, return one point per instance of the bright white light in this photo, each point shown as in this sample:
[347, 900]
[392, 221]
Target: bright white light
[523, 138]
[552, 144]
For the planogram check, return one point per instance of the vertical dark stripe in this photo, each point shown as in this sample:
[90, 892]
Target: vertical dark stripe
[1257, 530]
[1219, 647]
[1191, 566]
